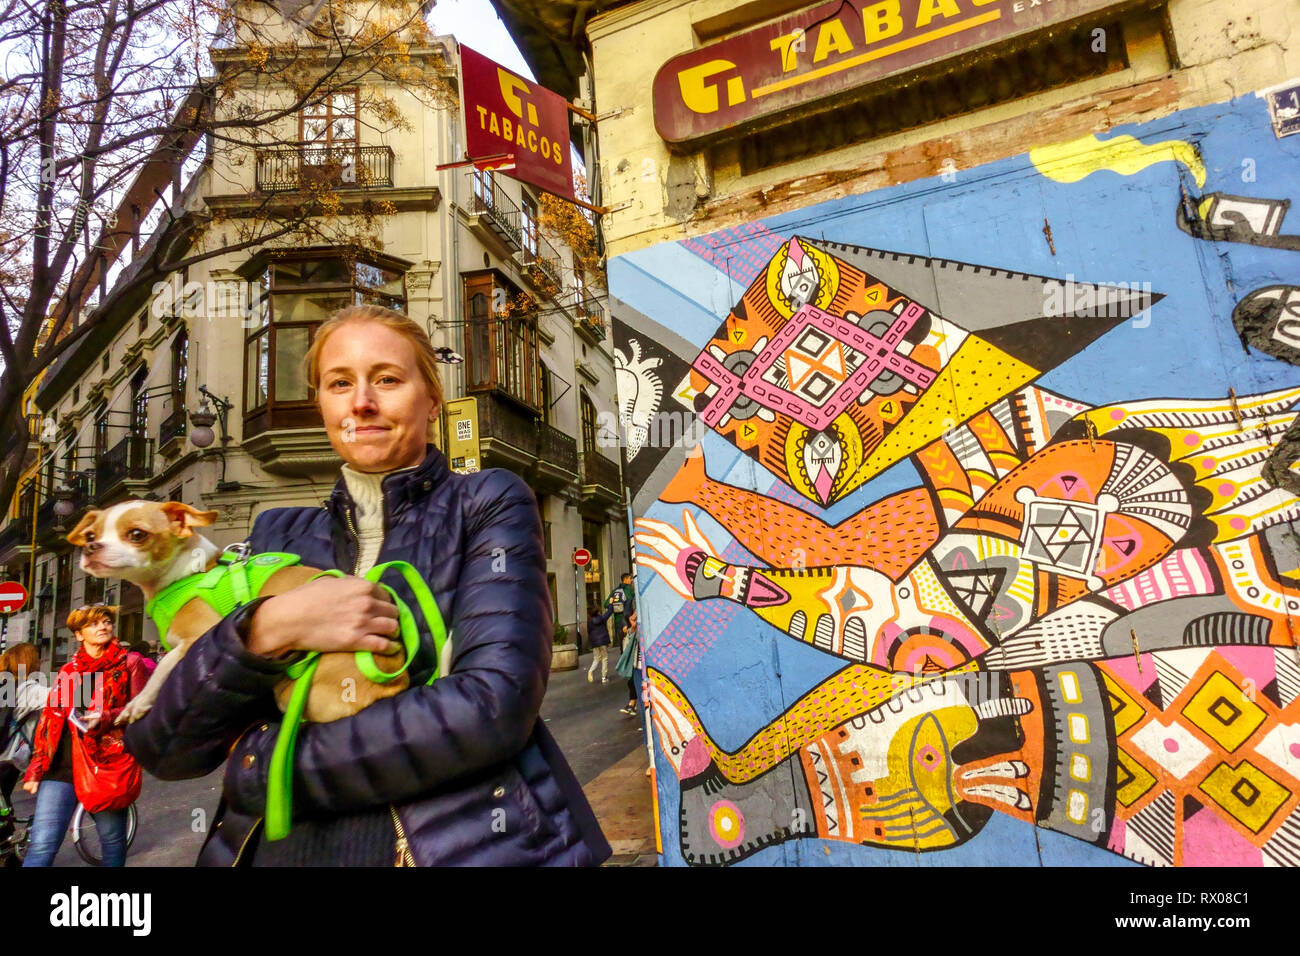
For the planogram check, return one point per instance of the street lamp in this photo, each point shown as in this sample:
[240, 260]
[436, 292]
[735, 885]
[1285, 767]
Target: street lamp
[448, 356]
[63, 501]
[202, 435]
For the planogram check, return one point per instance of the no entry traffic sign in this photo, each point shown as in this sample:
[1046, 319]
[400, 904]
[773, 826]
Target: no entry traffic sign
[581, 557]
[12, 596]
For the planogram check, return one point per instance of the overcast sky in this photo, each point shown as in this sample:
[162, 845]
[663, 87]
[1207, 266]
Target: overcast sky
[475, 24]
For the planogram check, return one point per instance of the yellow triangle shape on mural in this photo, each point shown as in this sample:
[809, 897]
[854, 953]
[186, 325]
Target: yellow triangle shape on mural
[983, 372]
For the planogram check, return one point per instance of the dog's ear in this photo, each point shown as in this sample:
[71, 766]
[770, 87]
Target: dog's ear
[77, 536]
[182, 517]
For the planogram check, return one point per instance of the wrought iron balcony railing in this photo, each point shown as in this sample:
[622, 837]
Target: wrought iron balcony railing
[132, 457]
[340, 167]
[172, 426]
[557, 449]
[500, 213]
[599, 471]
[541, 262]
[591, 315]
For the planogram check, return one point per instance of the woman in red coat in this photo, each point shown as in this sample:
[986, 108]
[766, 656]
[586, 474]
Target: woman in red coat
[105, 675]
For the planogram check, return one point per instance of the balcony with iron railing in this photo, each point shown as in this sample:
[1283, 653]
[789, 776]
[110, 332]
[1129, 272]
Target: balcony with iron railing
[590, 315]
[497, 213]
[17, 532]
[541, 265]
[519, 440]
[292, 168]
[600, 479]
[130, 459]
[50, 525]
[173, 426]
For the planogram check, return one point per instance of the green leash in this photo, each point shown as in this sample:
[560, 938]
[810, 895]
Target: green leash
[279, 780]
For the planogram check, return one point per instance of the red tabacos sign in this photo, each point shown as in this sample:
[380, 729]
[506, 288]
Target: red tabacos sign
[504, 113]
[830, 48]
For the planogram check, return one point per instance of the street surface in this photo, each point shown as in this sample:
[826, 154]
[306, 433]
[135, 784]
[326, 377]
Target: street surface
[583, 718]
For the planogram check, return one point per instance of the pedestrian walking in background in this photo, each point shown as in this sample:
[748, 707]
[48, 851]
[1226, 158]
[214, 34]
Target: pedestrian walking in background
[622, 601]
[78, 754]
[18, 723]
[630, 663]
[598, 638]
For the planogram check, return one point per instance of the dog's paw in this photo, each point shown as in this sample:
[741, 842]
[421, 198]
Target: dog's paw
[133, 712]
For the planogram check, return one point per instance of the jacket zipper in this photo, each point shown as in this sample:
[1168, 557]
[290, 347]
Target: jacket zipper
[404, 855]
[403, 846]
[243, 846]
[356, 539]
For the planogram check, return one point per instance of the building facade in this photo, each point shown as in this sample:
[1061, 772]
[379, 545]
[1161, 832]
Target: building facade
[960, 421]
[521, 327]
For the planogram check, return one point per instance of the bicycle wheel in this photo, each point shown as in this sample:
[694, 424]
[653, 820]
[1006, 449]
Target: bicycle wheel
[85, 835]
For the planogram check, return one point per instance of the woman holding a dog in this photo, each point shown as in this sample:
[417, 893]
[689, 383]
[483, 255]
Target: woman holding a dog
[457, 771]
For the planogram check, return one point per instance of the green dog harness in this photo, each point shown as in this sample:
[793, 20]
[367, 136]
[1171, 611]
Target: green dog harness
[236, 580]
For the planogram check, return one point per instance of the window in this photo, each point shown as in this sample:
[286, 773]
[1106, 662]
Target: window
[588, 425]
[144, 319]
[101, 432]
[330, 123]
[579, 282]
[139, 403]
[485, 190]
[296, 296]
[180, 364]
[103, 364]
[76, 395]
[544, 396]
[502, 343]
[530, 226]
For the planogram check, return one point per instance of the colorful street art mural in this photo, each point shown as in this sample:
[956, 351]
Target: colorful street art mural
[967, 512]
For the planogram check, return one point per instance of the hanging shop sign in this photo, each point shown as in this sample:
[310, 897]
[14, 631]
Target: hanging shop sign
[828, 49]
[509, 116]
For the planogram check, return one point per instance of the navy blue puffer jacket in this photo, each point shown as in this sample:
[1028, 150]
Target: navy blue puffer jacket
[465, 763]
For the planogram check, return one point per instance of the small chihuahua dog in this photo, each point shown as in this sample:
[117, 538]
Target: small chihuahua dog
[153, 544]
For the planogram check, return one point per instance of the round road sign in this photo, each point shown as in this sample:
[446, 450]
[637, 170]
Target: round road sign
[12, 596]
[581, 556]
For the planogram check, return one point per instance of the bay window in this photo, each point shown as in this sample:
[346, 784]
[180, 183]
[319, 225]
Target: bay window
[501, 339]
[297, 294]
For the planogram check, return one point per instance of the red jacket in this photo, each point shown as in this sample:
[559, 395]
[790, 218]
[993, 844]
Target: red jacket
[116, 676]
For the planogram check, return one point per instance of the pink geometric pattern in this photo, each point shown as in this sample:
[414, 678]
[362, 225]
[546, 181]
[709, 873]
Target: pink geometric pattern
[881, 354]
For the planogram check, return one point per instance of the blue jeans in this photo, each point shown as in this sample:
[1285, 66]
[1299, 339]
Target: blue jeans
[56, 802]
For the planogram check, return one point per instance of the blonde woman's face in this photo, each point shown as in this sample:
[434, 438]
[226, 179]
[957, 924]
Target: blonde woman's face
[376, 405]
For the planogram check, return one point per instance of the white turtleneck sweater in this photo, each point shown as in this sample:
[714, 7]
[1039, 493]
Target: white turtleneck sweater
[368, 495]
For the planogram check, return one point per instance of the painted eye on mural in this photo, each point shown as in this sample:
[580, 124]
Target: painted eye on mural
[822, 457]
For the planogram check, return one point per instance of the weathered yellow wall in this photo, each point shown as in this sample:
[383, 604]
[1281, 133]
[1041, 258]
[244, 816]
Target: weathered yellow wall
[1223, 49]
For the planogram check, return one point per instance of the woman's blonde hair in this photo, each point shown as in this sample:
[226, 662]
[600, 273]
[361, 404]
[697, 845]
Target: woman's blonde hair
[425, 357]
[21, 660]
[89, 614]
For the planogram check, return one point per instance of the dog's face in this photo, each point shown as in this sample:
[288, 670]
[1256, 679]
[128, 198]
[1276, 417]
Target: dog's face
[135, 540]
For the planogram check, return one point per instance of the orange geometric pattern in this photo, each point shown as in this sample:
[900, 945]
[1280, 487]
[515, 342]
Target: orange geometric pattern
[1200, 749]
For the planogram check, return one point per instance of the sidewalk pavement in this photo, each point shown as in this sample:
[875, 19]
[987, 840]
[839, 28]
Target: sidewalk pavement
[607, 752]
[621, 800]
